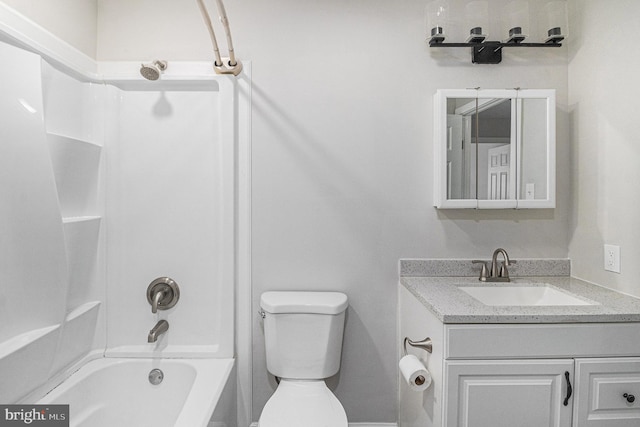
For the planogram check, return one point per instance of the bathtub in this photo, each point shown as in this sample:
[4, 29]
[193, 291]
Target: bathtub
[109, 392]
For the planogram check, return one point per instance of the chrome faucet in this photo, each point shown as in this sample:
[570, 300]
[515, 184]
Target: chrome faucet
[161, 327]
[493, 274]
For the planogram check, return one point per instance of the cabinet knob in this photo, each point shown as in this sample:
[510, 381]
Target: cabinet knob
[630, 397]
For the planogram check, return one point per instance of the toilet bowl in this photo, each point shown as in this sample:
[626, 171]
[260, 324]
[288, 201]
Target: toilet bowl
[303, 343]
[298, 403]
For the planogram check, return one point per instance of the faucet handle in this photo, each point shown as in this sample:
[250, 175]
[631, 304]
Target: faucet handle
[483, 270]
[163, 293]
[503, 270]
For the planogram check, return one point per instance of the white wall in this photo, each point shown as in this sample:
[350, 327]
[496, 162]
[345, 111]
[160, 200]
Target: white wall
[342, 177]
[604, 140]
[74, 21]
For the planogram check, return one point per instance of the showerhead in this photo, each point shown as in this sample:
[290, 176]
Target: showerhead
[152, 71]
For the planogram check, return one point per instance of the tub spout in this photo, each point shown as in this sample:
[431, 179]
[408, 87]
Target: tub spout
[161, 327]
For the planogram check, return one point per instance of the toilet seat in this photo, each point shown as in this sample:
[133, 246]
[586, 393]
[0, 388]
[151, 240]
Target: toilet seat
[307, 403]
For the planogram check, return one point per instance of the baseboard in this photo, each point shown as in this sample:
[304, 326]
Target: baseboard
[358, 425]
[373, 424]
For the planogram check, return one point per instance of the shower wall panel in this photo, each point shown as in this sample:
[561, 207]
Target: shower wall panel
[166, 218]
[74, 123]
[33, 268]
[50, 216]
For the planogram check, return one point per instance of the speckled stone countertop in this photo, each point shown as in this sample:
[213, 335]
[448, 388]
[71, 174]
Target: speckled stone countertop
[443, 297]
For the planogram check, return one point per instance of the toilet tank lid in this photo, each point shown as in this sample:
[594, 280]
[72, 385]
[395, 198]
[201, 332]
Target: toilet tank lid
[303, 302]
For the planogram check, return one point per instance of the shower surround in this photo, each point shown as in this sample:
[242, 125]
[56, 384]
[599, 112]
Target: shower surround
[110, 181]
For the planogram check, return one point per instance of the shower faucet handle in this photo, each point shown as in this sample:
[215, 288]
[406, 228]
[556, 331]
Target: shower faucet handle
[163, 293]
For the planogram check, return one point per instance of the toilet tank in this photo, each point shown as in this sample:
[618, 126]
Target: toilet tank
[303, 333]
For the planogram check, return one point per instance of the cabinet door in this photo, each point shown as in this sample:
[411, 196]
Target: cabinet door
[507, 393]
[601, 386]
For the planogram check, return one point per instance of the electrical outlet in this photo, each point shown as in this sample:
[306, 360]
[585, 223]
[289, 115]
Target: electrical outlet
[612, 258]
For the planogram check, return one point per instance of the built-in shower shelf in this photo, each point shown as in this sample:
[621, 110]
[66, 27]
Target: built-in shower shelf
[76, 168]
[34, 346]
[80, 219]
[77, 333]
[88, 309]
[70, 140]
[82, 238]
[25, 339]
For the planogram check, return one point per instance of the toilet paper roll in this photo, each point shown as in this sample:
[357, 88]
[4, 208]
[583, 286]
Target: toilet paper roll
[414, 373]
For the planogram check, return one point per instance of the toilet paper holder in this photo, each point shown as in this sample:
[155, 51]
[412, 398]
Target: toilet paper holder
[424, 344]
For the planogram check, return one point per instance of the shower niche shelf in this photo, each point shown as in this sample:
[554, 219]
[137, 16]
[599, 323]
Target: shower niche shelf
[77, 334]
[82, 237]
[72, 107]
[76, 166]
[34, 345]
[80, 219]
[71, 140]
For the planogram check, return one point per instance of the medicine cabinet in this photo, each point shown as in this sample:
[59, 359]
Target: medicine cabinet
[494, 149]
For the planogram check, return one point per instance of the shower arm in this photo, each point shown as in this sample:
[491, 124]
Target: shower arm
[234, 66]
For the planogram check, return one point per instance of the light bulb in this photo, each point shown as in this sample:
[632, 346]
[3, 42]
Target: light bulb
[436, 20]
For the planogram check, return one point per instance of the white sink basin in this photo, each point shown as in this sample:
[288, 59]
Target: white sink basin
[522, 295]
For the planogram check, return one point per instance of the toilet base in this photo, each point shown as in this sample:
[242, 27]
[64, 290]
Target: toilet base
[298, 403]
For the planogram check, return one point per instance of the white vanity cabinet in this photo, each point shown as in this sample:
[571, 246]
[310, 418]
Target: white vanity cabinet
[607, 392]
[506, 393]
[524, 375]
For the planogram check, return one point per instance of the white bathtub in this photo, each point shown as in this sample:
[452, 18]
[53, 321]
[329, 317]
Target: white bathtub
[111, 392]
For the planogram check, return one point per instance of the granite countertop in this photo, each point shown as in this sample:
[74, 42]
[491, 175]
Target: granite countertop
[443, 297]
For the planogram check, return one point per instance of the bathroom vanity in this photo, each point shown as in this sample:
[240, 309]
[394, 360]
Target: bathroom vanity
[562, 352]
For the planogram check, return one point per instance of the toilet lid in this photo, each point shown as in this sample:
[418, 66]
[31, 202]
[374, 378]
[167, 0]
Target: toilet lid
[303, 403]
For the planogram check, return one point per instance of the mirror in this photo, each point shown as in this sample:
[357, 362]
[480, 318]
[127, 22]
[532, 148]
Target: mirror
[495, 149]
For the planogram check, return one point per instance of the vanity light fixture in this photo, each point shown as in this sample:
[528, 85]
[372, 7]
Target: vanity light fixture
[477, 18]
[436, 20]
[515, 20]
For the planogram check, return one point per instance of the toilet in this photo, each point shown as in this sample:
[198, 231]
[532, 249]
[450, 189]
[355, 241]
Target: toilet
[303, 340]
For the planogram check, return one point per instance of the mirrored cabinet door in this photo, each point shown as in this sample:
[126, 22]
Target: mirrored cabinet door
[494, 149]
[461, 157]
[536, 150]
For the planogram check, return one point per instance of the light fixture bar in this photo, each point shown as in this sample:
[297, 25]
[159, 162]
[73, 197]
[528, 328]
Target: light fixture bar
[494, 44]
[515, 25]
[490, 52]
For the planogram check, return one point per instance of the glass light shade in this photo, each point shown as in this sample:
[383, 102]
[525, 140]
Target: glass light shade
[555, 20]
[516, 20]
[436, 19]
[477, 20]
